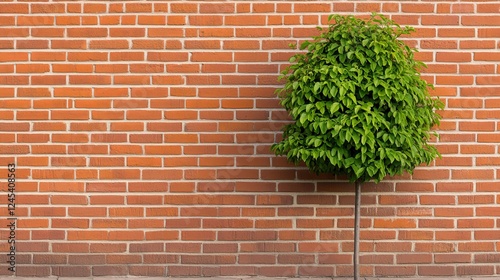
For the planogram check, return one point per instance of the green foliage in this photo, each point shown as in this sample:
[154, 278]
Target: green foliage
[358, 102]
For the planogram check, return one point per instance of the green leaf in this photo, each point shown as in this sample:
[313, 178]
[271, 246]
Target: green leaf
[361, 58]
[355, 137]
[323, 127]
[317, 86]
[317, 143]
[363, 139]
[342, 91]
[348, 135]
[304, 45]
[303, 118]
[359, 171]
[335, 107]
[371, 170]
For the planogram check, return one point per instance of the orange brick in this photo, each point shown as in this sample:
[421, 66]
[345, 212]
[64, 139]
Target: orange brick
[417, 8]
[453, 235]
[127, 32]
[479, 20]
[87, 32]
[107, 199]
[69, 199]
[152, 20]
[148, 44]
[163, 235]
[453, 57]
[165, 32]
[440, 20]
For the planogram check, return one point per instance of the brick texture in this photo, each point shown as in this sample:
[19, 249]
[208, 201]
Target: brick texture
[141, 131]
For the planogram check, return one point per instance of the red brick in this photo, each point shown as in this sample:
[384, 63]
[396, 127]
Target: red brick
[453, 235]
[394, 223]
[436, 271]
[149, 271]
[475, 270]
[418, 8]
[109, 270]
[277, 271]
[440, 20]
[108, 247]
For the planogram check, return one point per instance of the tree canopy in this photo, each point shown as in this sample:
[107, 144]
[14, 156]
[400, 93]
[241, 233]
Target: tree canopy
[358, 103]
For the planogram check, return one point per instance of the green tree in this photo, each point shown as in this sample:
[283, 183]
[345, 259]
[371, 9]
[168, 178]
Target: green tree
[358, 104]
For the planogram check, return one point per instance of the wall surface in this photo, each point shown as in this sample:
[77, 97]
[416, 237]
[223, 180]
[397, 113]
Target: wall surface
[141, 133]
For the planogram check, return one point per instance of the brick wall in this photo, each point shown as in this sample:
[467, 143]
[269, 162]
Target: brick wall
[141, 134]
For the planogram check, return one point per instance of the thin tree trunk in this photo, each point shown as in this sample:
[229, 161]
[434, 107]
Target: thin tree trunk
[357, 208]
